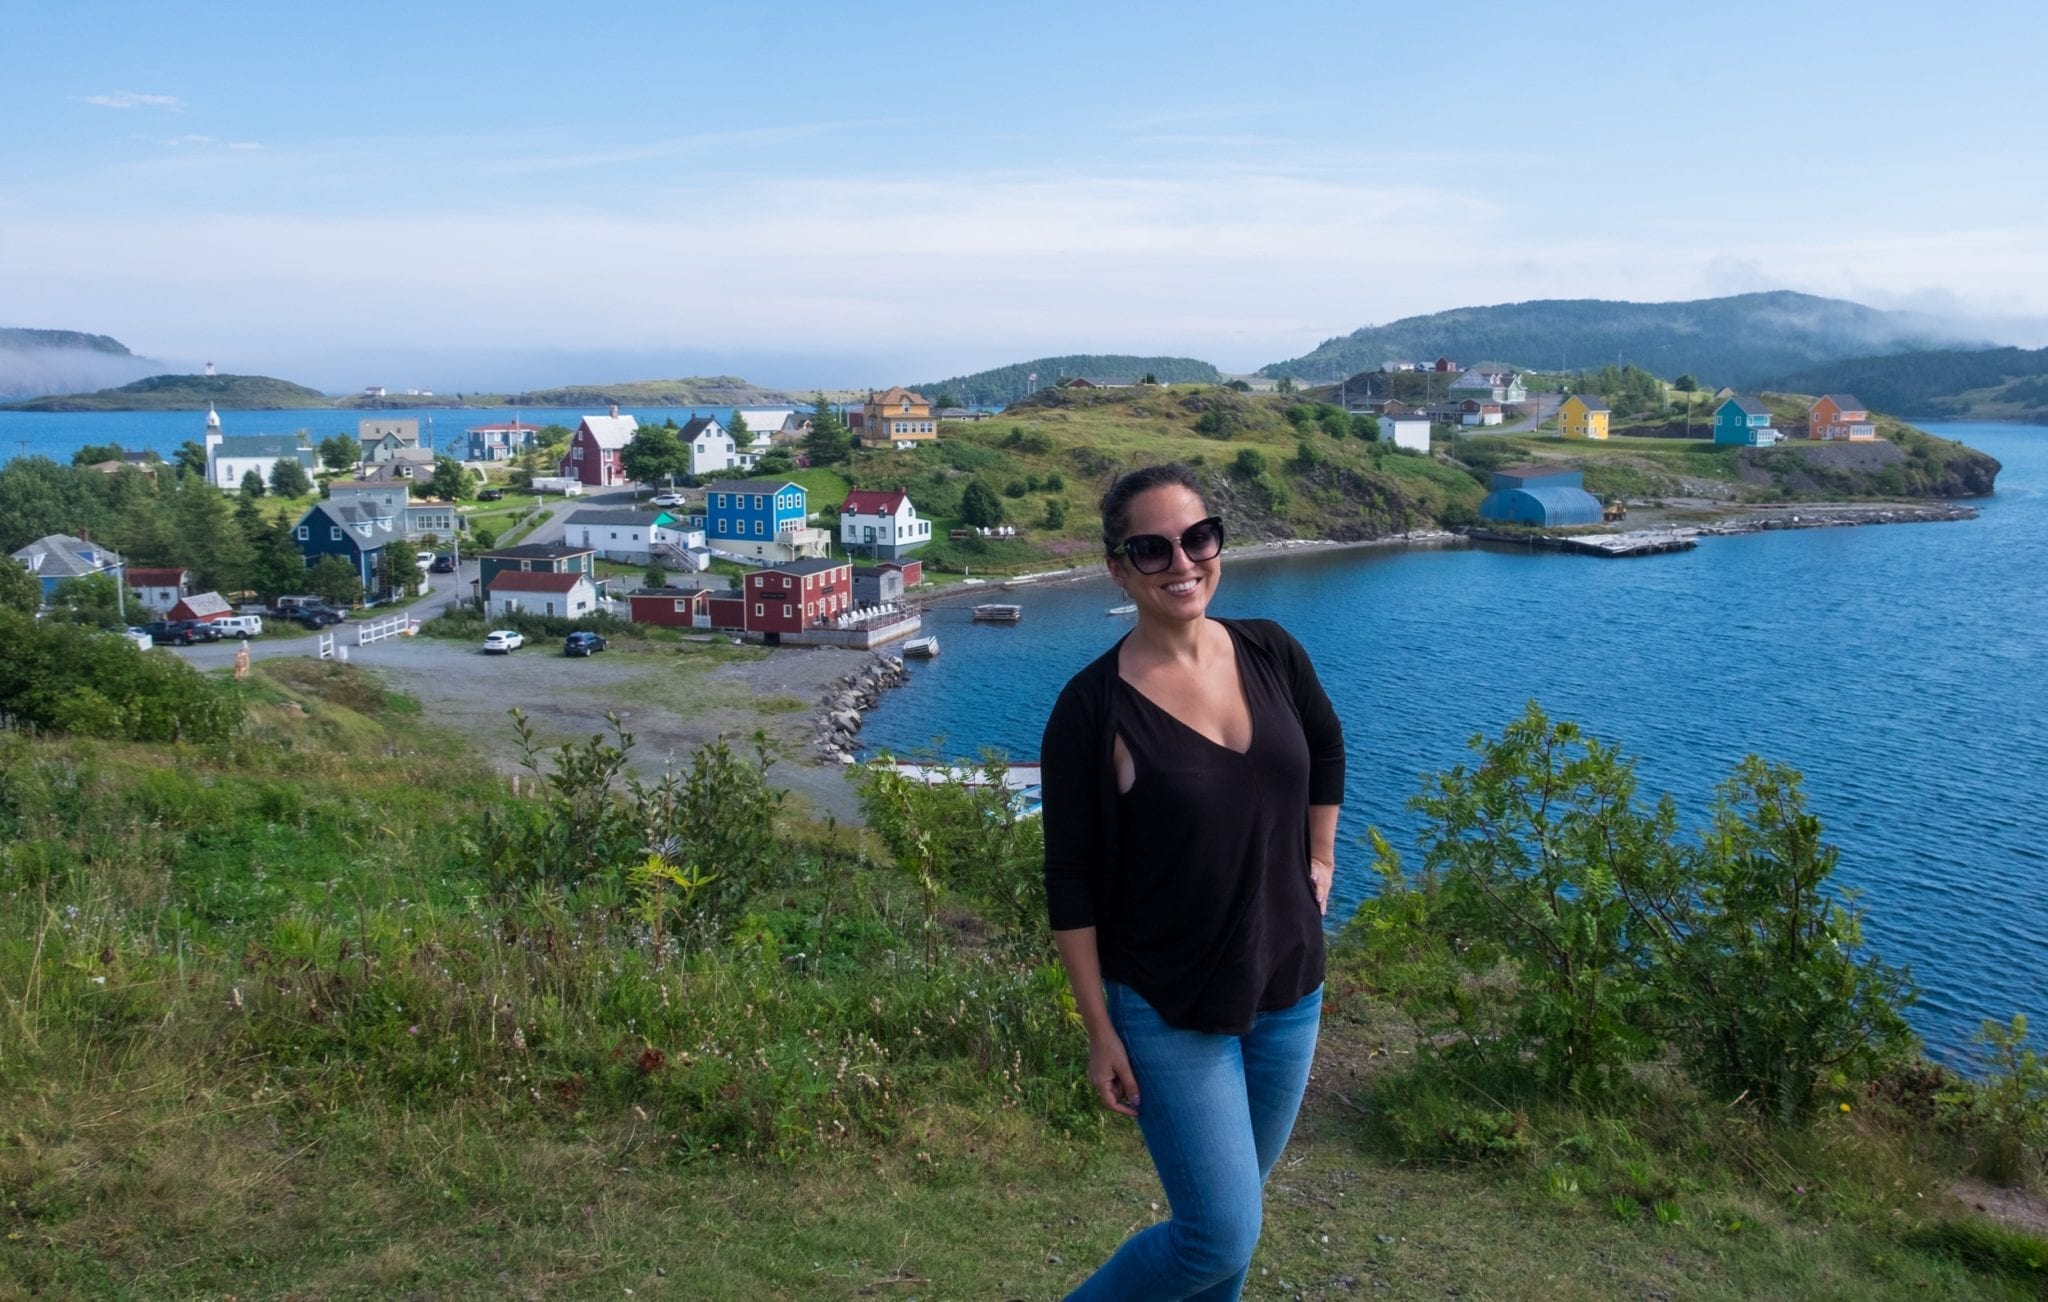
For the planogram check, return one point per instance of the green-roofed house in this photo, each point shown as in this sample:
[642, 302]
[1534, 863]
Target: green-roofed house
[230, 456]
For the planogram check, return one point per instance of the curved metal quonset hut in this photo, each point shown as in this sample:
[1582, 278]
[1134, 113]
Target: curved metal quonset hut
[1543, 505]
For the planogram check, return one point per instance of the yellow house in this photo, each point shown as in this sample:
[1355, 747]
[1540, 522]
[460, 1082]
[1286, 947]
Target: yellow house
[1583, 416]
[896, 416]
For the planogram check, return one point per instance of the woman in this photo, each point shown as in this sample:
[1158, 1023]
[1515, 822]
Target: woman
[1192, 776]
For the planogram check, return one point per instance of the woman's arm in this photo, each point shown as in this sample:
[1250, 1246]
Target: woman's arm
[1109, 1067]
[1322, 851]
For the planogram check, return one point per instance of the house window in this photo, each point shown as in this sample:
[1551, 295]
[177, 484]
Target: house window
[550, 608]
[336, 532]
[785, 610]
[302, 532]
[759, 609]
[759, 529]
[757, 501]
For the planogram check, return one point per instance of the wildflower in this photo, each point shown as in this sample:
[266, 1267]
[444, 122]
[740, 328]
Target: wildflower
[413, 1029]
[1845, 1107]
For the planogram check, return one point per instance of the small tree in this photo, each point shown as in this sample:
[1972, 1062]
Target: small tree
[252, 483]
[334, 579]
[742, 436]
[1286, 384]
[1686, 384]
[338, 452]
[1250, 463]
[449, 482]
[979, 505]
[191, 455]
[91, 599]
[653, 454]
[94, 453]
[289, 479]
[1055, 514]
[656, 577]
[1365, 427]
[19, 590]
[828, 442]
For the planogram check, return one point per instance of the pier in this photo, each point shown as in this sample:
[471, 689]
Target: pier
[1637, 542]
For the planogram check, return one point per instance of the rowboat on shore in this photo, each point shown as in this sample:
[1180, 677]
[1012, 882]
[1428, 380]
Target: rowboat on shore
[923, 648]
[996, 612]
[1129, 609]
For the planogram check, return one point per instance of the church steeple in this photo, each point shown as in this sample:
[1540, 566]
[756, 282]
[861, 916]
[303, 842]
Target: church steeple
[212, 417]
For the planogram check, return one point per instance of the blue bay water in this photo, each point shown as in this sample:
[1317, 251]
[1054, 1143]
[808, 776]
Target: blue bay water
[1900, 668]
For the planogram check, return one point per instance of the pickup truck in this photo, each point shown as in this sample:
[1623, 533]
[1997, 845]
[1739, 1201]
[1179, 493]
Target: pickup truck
[180, 632]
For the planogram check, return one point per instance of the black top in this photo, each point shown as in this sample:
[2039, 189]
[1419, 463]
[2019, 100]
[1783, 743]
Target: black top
[1196, 879]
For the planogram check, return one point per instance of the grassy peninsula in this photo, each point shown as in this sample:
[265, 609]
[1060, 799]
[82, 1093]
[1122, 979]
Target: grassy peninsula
[313, 1003]
[186, 393]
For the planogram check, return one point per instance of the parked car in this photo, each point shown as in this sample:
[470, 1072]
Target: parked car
[668, 499]
[240, 625]
[424, 560]
[491, 495]
[582, 644]
[181, 632]
[444, 563]
[503, 641]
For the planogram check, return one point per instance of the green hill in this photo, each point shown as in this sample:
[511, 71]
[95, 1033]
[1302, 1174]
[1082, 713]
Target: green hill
[689, 391]
[186, 393]
[1005, 384]
[1741, 341]
[17, 338]
[1945, 384]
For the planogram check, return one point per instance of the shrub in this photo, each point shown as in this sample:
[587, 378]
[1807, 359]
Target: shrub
[1249, 464]
[2005, 1112]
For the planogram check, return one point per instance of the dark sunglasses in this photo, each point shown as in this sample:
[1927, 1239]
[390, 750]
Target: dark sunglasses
[1150, 553]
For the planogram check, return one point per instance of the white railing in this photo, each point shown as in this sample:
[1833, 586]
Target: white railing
[327, 646]
[376, 630]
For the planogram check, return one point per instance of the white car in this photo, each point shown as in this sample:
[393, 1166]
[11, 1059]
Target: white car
[502, 642]
[668, 499]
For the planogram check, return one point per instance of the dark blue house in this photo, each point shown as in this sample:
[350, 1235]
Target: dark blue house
[1544, 496]
[357, 532]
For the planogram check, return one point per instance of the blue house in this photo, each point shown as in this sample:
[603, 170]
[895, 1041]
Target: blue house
[748, 514]
[356, 531]
[1545, 496]
[1744, 421]
[59, 557]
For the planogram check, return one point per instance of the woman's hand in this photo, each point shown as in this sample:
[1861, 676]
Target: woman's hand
[1322, 873]
[1109, 1071]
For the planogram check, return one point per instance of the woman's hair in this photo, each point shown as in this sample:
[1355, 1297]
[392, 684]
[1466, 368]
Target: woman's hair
[1116, 503]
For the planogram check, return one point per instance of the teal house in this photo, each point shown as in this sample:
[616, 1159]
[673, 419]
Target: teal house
[1746, 422]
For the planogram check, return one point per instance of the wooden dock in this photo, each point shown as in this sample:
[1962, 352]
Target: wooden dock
[1636, 542]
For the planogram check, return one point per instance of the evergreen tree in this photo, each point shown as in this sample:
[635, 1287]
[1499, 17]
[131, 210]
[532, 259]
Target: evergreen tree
[828, 443]
[336, 580]
[252, 484]
[191, 455]
[288, 478]
[979, 505]
[279, 567]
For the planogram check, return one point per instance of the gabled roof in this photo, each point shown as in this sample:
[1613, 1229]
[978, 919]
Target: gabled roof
[1591, 401]
[873, 501]
[260, 445]
[612, 432]
[809, 565]
[895, 394]
[351, 517]
[1749, 406]
[537, 581]
[752, 486]
[510, 427]
[61, 556]
[696, 426]
[624, 516]
[537, 552]
[205, 605]
[165, 576]
[1843, 401]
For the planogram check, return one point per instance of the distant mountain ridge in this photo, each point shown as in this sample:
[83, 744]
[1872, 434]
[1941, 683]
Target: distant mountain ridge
[21, 338]
[59, 361]
[1743, 340]
[1006, 384]
[1945, 384]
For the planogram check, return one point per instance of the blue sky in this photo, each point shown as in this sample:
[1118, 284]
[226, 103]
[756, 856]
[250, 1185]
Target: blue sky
[470, 195]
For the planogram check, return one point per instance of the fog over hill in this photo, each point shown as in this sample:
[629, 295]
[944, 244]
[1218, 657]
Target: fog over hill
[36, 362]
[1741, 340]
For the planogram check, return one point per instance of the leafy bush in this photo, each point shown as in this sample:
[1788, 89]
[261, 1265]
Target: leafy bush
[1249, 464]
[69, 678]
[2005, 1112]
[1621, 943]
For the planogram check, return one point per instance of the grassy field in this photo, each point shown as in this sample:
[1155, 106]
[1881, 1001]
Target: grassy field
[292, 1016]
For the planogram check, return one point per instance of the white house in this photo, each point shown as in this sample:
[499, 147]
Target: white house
[159, 588]
[709, 446]
[881, 524]
[229, 457]
[1411, 432]
[538, 592]
[638, 538]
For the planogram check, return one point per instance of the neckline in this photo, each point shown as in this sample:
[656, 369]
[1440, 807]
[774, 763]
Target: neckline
[1243, 692]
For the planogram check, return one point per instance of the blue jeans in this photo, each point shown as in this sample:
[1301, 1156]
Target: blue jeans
[1215, 1110]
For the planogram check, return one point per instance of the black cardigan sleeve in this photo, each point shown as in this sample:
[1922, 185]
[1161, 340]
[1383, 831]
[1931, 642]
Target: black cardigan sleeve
[1071, 778]
[1319, 721]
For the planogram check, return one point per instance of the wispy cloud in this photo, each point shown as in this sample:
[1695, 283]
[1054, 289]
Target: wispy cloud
[190, 141]
[129, 99]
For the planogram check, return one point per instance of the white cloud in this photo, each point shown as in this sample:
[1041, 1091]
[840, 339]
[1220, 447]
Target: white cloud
[128, 99]
[1242, 265]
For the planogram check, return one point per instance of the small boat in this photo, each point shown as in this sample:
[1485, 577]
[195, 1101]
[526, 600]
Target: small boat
[1130, 609]
[924, 648]
[995, 612]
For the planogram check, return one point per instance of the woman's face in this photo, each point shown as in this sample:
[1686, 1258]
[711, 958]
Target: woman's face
[1181, 591]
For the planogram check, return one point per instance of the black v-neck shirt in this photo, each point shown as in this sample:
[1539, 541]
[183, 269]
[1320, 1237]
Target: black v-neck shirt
[1196, 879]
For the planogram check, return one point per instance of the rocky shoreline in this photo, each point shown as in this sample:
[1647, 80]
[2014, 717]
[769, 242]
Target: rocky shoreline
[836, 721]
[1829, 516]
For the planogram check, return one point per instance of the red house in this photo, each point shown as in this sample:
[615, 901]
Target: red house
[673, 607]
[159, 589]
[593, 453]
[1444, 364]
[791, 597]
[1839, 416]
